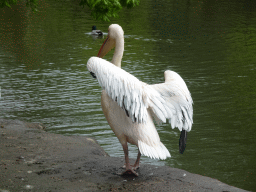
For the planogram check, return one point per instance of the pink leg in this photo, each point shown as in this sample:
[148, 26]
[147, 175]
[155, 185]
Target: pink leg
[137, 162]
[128, 168]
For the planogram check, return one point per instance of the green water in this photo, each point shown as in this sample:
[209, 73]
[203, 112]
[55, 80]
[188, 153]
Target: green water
[211, 44]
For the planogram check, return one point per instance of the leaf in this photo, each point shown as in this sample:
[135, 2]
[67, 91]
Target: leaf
[104, 9]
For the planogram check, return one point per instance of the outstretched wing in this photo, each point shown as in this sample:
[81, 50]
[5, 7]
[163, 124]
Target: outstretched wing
[178, 101]
[121, 86]
[170, 100]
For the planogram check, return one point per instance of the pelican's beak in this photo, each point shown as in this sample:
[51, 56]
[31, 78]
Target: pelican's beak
[108, 44]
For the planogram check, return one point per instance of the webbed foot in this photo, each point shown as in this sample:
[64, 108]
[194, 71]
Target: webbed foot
[130, 172]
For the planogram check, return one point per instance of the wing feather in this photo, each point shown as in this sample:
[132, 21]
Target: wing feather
[169, 100]
[177, 99]
[121, 86]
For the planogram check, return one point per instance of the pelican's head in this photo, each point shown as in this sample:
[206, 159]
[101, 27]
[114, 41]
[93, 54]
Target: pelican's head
[115, 37]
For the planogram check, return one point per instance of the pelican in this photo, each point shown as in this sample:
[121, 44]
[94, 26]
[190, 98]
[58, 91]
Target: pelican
[131, 106]
[96, 32]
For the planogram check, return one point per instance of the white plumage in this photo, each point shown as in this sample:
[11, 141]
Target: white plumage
[130, 105]
[170, 100]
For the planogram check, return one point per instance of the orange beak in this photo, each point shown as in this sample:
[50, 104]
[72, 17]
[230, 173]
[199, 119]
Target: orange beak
[106, 47]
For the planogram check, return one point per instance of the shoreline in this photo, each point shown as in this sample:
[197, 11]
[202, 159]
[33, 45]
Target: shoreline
[32, 159]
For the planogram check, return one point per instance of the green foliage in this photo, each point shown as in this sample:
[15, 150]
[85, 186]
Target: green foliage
[129, 3]
[101, 9]
[7, 3]
[104, 9]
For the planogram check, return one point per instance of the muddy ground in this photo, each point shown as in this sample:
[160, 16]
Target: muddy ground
[32, 159]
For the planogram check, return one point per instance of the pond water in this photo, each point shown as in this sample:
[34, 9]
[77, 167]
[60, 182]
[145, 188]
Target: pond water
[211, 44]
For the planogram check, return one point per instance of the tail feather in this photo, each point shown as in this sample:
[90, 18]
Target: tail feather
[156, 152]
[182, 141]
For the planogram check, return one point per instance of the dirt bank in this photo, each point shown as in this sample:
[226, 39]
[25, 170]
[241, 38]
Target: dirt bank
[34, 160]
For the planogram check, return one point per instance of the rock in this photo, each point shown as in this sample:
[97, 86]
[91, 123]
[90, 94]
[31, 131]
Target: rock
[32, 159]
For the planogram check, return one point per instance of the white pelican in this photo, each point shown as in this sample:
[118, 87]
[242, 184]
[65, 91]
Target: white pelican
[130, 105]
[96, 32]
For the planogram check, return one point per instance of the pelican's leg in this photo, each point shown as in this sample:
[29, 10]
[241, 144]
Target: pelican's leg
[128, 168]
[137, 162]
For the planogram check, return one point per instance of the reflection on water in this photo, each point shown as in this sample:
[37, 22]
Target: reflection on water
[211, 44]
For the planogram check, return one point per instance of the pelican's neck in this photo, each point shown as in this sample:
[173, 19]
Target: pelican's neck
[119, 50]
